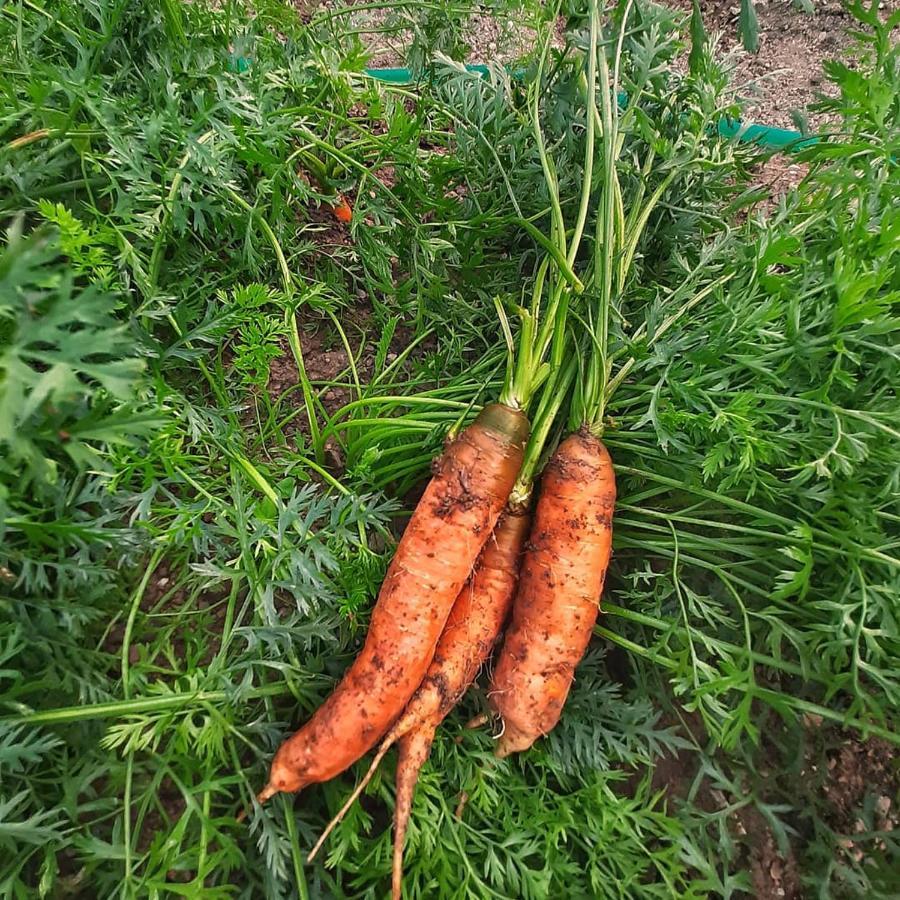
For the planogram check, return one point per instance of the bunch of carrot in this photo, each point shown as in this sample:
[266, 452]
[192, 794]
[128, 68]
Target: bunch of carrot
[474, 554]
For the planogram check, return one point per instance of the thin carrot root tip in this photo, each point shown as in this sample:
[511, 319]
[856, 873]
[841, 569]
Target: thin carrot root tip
[414, 748]
[317, 847]
[386, 744]
[266, 793]
[477, 721]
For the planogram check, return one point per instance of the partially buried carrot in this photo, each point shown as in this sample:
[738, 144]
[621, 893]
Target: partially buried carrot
[342, 210]
[468, 638]
[445, 534]
[559, 591]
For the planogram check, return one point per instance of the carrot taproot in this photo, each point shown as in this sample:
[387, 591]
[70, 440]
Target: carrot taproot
[342, 210]
[467, 640]
[560, 584]
[441, 543]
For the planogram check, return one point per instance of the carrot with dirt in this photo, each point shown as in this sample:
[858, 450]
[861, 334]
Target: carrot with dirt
[472, 630]
[437, 552]
[342, 210]
[468, 638]
[483, 604]
[439, 547]
[560, 584]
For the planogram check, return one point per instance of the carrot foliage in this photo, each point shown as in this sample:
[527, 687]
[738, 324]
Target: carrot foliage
[214, 398]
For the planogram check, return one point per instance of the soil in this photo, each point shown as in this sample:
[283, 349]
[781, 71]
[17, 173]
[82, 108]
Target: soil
[776, 85]
[785, 75]
[861, 771]
[855, 795]
[773, 874]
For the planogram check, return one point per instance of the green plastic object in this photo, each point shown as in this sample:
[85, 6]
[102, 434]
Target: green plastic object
[404, 76]
[238, 63]
[764, 135]
[782, 139]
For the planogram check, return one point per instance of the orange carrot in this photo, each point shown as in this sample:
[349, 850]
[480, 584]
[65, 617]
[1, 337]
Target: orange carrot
[342, 209]
[468, 638]
[451, 523]
[559, 591]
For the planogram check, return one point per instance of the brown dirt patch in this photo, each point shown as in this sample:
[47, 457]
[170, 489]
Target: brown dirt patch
[775, 876]
[783, 76]
[328, 367]
[387, 37]
[850, 784]
[786, 73]
[861, 772]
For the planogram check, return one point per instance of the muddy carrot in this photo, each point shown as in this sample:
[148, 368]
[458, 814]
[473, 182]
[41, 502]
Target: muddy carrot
[435, 556]
[468, 638]
[559, 591]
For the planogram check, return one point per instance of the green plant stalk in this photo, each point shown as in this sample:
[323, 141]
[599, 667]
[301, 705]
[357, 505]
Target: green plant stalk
[556, 251]
[633, 234]
[520, 374]
[541, 332]
[844, 546]
[553, 395]
[125, 662]
[120, 708]
[256, 477]
[290, 319]
[590, 88]
[545, 332]
[167, 207]
[605, 249]
[290, 821]
[546, 164]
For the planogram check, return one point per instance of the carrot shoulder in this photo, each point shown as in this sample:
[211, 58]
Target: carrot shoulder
[557, 602]
[441, 543]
